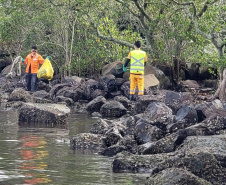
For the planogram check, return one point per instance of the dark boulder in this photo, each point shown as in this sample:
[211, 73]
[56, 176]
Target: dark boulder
[89, 87]
[166, 144]
[108, 83]
[176, 100]
[187, 113]
[95, 104]
[41, 94]
[99, 127]
[112, 109]
[86, 141]
[145, 132]
[123, 100]
[68, 101]
[43, 115]
[20, 94]
[114, 68]
[176, 176]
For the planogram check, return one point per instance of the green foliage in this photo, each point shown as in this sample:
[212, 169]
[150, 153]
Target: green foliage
[64, 30]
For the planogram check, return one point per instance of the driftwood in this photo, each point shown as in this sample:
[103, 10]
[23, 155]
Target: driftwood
[15, 68]
[220, 93]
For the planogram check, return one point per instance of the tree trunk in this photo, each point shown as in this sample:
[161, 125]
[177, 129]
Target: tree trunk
[220, 93]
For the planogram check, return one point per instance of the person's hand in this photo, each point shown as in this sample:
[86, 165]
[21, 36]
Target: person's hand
[124, 68]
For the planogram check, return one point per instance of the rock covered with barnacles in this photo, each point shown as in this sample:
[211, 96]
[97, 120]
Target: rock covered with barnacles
[202, 156]
[175, 176]
[39, 114]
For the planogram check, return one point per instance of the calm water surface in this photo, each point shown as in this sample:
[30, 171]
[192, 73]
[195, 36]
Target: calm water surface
[43, 156]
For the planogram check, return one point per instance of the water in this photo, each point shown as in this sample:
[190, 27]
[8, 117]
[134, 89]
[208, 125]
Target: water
[43, 156]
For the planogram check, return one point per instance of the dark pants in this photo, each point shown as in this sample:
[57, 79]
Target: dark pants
[31, 82]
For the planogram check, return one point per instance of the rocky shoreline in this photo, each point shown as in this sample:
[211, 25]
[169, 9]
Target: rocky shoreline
[176, 137]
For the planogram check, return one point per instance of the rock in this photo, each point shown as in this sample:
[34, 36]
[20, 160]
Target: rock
[163, 79]
[95, 104]
[204, 157]
[176, 176]
[114, 68]
[123, 100]
[41, 100]
[187, 114]
[68, 101]
[145, 132]
[41, 94]
[130, 124]
[108, 83]
[99, 127]
[73, 80]
[3, 64]
[112, 150]
[6, 70]
[75, 93]
[56, 88]
[127, 162]
[96, 114]
[89, 87]
[157, 112]
[129, 143]
[210, 110]
[190, 84]
[125, 88]
[119, 82]
[112, 109]
[166, 144]
[48, 115]
[176, 100]
[112, 136]
[86, 141]
[142, 102]
[20, 94]
[43, 86]
[207, 127]
[9, 85]
[98, 92]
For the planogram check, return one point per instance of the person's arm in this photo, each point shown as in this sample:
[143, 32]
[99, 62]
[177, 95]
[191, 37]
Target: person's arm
[25, 61]
[40, 59]
[145, 60]
[127, 62]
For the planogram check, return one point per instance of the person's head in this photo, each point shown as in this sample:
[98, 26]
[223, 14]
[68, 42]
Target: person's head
[137, 44]
[33, 49]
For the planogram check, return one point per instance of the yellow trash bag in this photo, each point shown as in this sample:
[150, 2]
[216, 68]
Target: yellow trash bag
[46, 70]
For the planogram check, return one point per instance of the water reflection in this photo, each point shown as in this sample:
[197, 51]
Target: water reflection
[33, 152]
[31, 155]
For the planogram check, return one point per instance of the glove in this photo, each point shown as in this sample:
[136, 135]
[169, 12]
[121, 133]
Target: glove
[124, 68]
[48, 57]
[23, 60]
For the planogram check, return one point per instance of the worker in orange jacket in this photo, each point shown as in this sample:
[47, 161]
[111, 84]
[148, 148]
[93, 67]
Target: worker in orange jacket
[32, 62]
[137, 59]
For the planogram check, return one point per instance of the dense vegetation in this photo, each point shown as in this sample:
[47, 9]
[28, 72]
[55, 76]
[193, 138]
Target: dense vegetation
[82, 36]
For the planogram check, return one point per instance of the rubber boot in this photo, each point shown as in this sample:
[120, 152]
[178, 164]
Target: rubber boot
[131, 98]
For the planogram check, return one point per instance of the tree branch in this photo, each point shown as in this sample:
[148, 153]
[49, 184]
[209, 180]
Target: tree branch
[142, 11]
[125, 5]
[188, 3]
[120, 42]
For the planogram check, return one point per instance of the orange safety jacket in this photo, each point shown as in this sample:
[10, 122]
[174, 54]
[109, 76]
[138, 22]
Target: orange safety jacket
[33, 62]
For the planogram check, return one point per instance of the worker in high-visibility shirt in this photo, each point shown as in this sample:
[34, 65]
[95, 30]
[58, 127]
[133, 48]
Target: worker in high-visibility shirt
[137, 59]
[32, 62]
